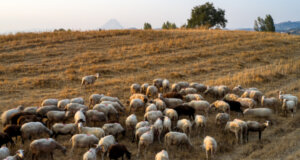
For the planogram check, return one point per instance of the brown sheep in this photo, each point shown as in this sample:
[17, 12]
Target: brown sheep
[13, 131]
[5, 139]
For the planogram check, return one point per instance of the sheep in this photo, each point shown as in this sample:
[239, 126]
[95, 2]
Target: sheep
[158, 128]
[56, 116]
[5, 139]
[259, 112]
[234, 127]
[136, 104]
[79, 116]
[167, 124]
[5, 116]
[107, 109]
[185, 91]
[247, 102]
[116, 105]
[175, 87]
[199, 106]
[112, 99]
[96, 131]
[162, 155]
[31, 129]
[244, 130]
[217, 91]
[18, 156]
[172, 114]
[14, 118]
[31, 110]
[4, 152]
[165, 85]
[42, 111]
[105, 143]
[190, 97]
[152, 116]
[254, 94]
[140, 96]
[63, 129]
[28, 118]
[173, 95]
[49, 102]
[83, 141]
[91, 154]
[185, 110]
[12, 131]
[254, 126]
[158, 83]
[45, 146]
[230, 97]
[151, 107]
[145, 140]
[222, 119]
[268, 102]
[287, 106]
[62, 103]
[160, 105]
[177, 139]
[210, 145]
[171, 102]
[113, 129]
[200, 122]
[144, 88]
[90, 79]
[95, 99]
[130, 123]
[74, 107]
[183, 85]
[78, 100]
[138, 132]
[116, 151]
[288, 97]
[135, 88]
[141, 124]
[234, 106]
[152, 92]
[199, 87]
[239, 90]
[95, 116]
[185, 126]
[221, 106]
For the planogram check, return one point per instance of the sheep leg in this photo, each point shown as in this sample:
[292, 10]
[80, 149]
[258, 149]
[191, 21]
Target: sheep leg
[51, 155]
[259, 135]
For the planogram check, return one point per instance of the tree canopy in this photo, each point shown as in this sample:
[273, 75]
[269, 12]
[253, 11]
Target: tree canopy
[169, 25]
[147, 26]
[264, 25]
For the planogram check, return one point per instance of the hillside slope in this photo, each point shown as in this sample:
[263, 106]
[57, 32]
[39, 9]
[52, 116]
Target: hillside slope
[50, 65]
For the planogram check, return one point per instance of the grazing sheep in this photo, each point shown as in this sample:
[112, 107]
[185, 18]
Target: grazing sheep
[6, 116]
[138, 132]
[244, 130]
[79, 116]
[96, 131]
[254, 126]
[152, 116]
[171, 102]
[140, 96]
[14, 118]
[165, 86]
[95, 116]
[91, 154]
[191, 97]
[90, 79]
[254, 94]
[162, 155]
[107, 109]
[185, 110]
[160, 105]
[145, 141]
[135, 88]
[152, 92]
[95, 99]
[172, 114]
[42, 111]
[105, 143]
[288, 97]
[158, 128]
[217, 91]
[269, 102]
[28, 118]
[287, 106]
[222, 119]
[113, 129]
[31, 110]
[4, 152]
[221, 106]
[62, 103]
[177, 139]
[230, 97]
[158, 83]
[5, 139]
[141, 124]
[185, 126]
[239, 90]
[183, 85]
[78, 100]
[112, 99]
[83, 141]
[199, 87]
[33, 129]
[173, 95]
[74, 107]
[63, 129]
[200, 122]
[45, 146]
[247, 102]
[234, 106]
[116, 151]
[185, 91]
[259, 112]
[175, 87]
[167, 124]
[130, 123]
[210, 145]
[56, 116]
[234, 127]
[151, 107]
[136, 104]
[144, 88]
[13, 131]
[18, 156]
[50, 102]
[116, 105]
[200, 106]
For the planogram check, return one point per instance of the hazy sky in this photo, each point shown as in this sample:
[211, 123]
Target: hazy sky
[40, 15]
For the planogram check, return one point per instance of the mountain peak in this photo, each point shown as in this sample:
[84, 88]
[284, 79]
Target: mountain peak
[112, 24]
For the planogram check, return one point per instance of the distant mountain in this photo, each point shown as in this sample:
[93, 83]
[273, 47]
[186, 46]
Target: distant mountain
[245, 29]
[285, 26]
[112, 24]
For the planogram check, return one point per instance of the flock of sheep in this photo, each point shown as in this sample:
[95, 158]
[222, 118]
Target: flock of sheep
[170, 111]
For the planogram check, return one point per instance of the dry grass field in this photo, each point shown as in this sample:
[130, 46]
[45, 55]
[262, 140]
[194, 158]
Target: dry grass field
[36, 66]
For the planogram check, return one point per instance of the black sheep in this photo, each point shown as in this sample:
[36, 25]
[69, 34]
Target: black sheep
[5, 139]
[118, 150]
[185, 110]
[172, 95]
[13, 131]
[234, 106]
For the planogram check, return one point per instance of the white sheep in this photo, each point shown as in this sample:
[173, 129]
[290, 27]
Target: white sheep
[158, 128]
[217, 91]
[247, 102]
[183, 84]
[185, 91]
[221, 106]
[105, 143]
[162, 155]
[254, 94]
[152, 116]
[42, 111]
[45, 146]
[152, 92]
[141, 124]
[165, 85]
[231, 97]
[167, 124]
[145, 141]
[139, 131]
[63, 129]
[18, 156]
[140, 96]
[83, 141]
[116, 105]
[78, 100]
[136, 104]
[56, 116]
[200, 122]
[90, 79]
[112, 99]
[254, 126]
[288, 97]
[151, 107]
[210, 145]
[62, 103]
[234, 127]
[160, 105]
[172, 114]
[144, 88]
[222, 118]
[171, 102]
[32, 129]
[130, 123]
[95, 99]
[244, 130]
[113, 129]
[185, 126]
[91, 154]
[239, 90]
[74, 107]
[191, 97]
[5, 116]
[135, 88]
[177, 139]
[268, 102]
[107, 109]
[32, 109]
[158, 83]
[79, 116]
[175, 87]
[4, 152]
[95, 116]
[259, 112]
[96, 131]
[49, 102]
[200, 106]
[198, 87]
[287, 106]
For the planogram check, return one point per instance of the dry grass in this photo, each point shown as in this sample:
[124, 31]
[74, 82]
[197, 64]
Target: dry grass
[35, 66]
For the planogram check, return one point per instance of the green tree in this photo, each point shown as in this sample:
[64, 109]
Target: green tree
[264, 25]
[147, 26]
[168, 25]
[208, 16]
